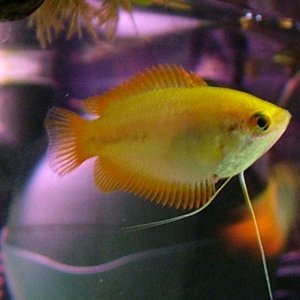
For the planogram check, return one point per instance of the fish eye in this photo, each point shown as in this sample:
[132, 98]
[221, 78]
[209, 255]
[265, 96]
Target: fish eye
[260, 121]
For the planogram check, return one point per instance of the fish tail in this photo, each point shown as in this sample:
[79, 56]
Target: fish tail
[66, 131]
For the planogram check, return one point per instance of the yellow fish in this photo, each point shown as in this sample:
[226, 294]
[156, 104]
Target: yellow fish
[165, 135]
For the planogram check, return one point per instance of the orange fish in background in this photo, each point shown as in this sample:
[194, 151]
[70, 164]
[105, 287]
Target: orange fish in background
[275, 211]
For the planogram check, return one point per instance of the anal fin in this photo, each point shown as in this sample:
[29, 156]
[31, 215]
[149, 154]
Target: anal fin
[180, 217]
[104, 176]
[110, 177]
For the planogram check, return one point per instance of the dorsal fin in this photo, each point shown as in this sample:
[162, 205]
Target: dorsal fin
[153, 78]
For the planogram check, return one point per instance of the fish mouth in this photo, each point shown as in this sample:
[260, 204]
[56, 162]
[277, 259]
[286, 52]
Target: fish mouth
[282, 119]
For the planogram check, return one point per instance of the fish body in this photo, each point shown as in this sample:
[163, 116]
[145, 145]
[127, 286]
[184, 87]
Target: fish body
[166, 136]
[182, 133]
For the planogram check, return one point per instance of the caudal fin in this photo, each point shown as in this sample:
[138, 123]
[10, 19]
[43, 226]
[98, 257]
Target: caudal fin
[66, 144]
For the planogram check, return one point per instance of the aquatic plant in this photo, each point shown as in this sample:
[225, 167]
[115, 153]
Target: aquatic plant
[54, 16]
